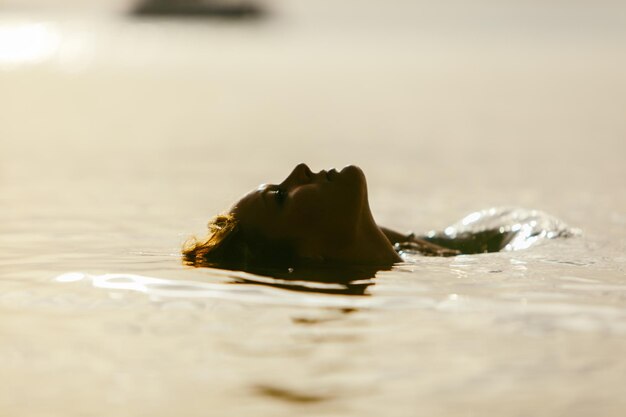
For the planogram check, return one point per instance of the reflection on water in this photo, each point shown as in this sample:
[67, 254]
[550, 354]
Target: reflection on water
[289, 395]
[268, 291]
[505, 301]
[328, 280]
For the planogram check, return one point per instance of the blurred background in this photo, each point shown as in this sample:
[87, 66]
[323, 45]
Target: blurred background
[509, 94]
[125, 125]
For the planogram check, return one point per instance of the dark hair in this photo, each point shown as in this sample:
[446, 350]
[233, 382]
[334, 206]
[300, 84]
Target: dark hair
[228, 246]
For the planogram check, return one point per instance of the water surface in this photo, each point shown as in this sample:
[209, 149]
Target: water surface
[106, 168]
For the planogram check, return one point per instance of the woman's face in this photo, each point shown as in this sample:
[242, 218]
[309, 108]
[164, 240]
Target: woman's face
[317, 212]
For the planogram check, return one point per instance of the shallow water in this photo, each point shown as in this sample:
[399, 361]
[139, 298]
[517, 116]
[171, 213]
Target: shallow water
[107, 168]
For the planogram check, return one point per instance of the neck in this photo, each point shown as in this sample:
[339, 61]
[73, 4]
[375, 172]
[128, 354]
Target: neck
[368, 246]
[373, 246]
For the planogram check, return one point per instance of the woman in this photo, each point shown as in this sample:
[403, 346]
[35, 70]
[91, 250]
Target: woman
[321, 219]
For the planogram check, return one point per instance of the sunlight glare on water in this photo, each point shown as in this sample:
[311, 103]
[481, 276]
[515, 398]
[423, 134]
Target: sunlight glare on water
[27, 43]
[529, 227]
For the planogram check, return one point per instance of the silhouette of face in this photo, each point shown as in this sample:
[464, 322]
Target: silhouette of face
[317, 212]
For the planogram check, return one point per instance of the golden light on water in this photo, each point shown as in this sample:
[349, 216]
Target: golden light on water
[120, 136]
[27, 43]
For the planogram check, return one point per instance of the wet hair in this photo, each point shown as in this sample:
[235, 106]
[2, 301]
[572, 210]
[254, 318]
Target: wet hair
[229, 246]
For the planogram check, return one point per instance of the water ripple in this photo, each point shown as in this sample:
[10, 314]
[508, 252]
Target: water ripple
[554, 312]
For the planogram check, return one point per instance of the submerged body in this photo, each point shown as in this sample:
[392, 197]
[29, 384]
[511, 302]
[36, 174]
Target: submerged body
[324, 220]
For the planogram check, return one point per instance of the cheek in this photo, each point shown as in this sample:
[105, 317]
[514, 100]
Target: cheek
[307, 208]
[315, 209]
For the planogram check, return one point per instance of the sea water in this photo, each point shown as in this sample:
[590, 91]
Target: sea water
[121, 139]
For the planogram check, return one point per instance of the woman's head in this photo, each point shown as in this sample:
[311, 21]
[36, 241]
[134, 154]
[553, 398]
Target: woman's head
[308, 217]
[315, 212]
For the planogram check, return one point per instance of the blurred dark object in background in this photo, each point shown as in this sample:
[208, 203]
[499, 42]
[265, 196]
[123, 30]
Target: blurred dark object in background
[225, 9]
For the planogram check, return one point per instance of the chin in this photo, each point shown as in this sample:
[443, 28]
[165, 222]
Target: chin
[355, 185]
[353, 172]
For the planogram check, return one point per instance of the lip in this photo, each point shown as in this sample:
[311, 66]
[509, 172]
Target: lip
[327, 175]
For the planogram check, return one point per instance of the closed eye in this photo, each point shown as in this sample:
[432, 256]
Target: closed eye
[280, 195]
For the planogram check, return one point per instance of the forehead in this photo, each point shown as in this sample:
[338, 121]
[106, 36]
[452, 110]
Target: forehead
[253, 210]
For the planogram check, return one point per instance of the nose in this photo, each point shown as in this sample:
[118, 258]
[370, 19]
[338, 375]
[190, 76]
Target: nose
[301, 174]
